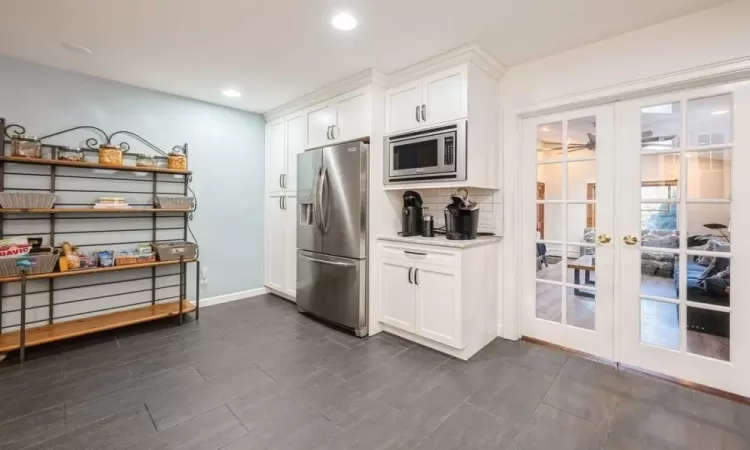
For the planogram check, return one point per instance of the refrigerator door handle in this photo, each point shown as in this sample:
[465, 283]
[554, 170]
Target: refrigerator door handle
[325, 210]
[317, 195]
[330, 263]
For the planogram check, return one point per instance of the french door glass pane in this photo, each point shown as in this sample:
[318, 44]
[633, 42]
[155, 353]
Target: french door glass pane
[581, 307]
[708, 333]
[709, 121]
[709, 174]
[550, 176]
[582, 138]
[708, 226]
[660, 324]
[580, 261]
[549, 142]
[581, 176]
[708, 280]
[657, 274]
[579, 228]
[549, 301]
[660, 176]
[548, 261]
[550, 228]
[660, 126]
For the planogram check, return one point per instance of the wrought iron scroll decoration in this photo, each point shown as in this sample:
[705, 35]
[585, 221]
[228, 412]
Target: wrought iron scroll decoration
[125, 146]
[91, 143]
[20, 129]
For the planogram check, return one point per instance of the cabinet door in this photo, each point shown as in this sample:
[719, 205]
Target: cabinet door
[445, 95]
[401, 105]
[319, 119]
[290, 244]
[438, 303]
[352, 117]
[295, 144]
[397, 294]
[275, 256]
[275, 155]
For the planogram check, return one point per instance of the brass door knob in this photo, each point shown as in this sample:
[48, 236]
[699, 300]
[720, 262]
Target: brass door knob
[630, 240]
[604, 238]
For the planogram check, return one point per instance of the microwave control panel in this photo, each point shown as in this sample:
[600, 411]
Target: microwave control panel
[448, 151]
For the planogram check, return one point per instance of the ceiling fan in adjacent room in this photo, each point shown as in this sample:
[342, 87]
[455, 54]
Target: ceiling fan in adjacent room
[647, 138]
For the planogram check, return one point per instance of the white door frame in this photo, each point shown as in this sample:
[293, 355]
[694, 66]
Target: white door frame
[511, 306]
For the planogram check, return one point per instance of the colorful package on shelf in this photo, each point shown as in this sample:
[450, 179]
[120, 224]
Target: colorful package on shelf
[106, 258]
[89, 260]
[14, 247]
[125, 258]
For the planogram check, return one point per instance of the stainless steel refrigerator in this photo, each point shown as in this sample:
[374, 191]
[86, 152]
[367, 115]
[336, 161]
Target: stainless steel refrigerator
[332, 234]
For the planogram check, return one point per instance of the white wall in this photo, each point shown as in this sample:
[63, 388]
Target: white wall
[225, 155]
[629, 61]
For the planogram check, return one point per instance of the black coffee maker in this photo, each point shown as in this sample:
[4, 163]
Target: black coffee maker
[461, 219]
[411, 215]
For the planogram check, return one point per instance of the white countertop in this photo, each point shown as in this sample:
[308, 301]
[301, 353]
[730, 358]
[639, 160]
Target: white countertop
[440, 240]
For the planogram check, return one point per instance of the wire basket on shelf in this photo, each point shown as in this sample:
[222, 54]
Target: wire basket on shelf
[32, 264]
[171, 202]
[171, 251]
[27, 200]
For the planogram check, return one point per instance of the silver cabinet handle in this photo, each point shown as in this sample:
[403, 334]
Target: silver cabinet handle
[281, 204]
[334, 129]
[415, 253]
[424, 113]
[285, 186]
[416, 272]
[417, 114]
[328, 133]
[409, 275]
[280, 183]
[284, 201]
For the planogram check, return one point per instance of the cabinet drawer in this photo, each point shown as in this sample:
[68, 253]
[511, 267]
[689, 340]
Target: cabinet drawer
[441, 256]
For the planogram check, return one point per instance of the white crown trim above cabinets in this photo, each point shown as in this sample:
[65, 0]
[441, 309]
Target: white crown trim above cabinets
[327, 92]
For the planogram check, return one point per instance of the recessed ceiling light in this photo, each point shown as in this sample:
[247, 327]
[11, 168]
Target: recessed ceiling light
[231, 93]
[343, 21]
[76, 48]
[720, 112]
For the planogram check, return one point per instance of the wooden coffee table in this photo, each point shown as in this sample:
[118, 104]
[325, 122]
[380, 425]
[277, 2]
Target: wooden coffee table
[587, 264]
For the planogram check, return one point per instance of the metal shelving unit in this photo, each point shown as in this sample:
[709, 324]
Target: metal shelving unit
[57, 327]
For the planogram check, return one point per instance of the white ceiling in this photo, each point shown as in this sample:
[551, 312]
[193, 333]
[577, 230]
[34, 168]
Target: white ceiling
[274, 51]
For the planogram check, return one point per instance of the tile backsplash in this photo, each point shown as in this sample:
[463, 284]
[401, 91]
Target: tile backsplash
[490, 206]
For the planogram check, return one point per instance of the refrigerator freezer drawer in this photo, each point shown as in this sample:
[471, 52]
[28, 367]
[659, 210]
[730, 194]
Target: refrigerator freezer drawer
[333, 289]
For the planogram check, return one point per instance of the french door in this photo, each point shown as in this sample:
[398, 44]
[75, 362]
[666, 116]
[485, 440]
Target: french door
[634, 257]
[569, 297]
[681, 158]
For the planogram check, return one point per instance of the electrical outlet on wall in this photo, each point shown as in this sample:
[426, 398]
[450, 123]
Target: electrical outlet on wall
[204, 275]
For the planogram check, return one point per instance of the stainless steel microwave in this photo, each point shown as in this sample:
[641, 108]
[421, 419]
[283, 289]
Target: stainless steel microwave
[427, 155]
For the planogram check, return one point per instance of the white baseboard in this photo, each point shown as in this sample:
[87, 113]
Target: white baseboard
[226, 298]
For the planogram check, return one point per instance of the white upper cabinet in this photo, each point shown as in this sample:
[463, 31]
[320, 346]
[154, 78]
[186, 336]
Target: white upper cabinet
[295, 144]
[353, 117]
[434, 99]
[275, 155]
[404, 105]
[444, 96]
[340, 119]
[320, 121]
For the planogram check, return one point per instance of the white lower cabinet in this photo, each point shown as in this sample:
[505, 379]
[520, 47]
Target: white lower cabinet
[281, 243]
[440, 297]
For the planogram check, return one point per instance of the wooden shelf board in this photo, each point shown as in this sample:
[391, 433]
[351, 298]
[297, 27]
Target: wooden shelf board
[70, 273]
[90, 165]
[65, 330]
[90, 210]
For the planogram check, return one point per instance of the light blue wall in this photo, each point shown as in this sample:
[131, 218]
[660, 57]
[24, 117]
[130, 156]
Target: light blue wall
[225, 149]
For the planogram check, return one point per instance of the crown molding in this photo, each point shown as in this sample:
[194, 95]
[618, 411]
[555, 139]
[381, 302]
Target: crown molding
[470, 53]
[356, 81]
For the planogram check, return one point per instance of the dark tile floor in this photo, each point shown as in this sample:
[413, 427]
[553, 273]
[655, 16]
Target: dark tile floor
[255, 374]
